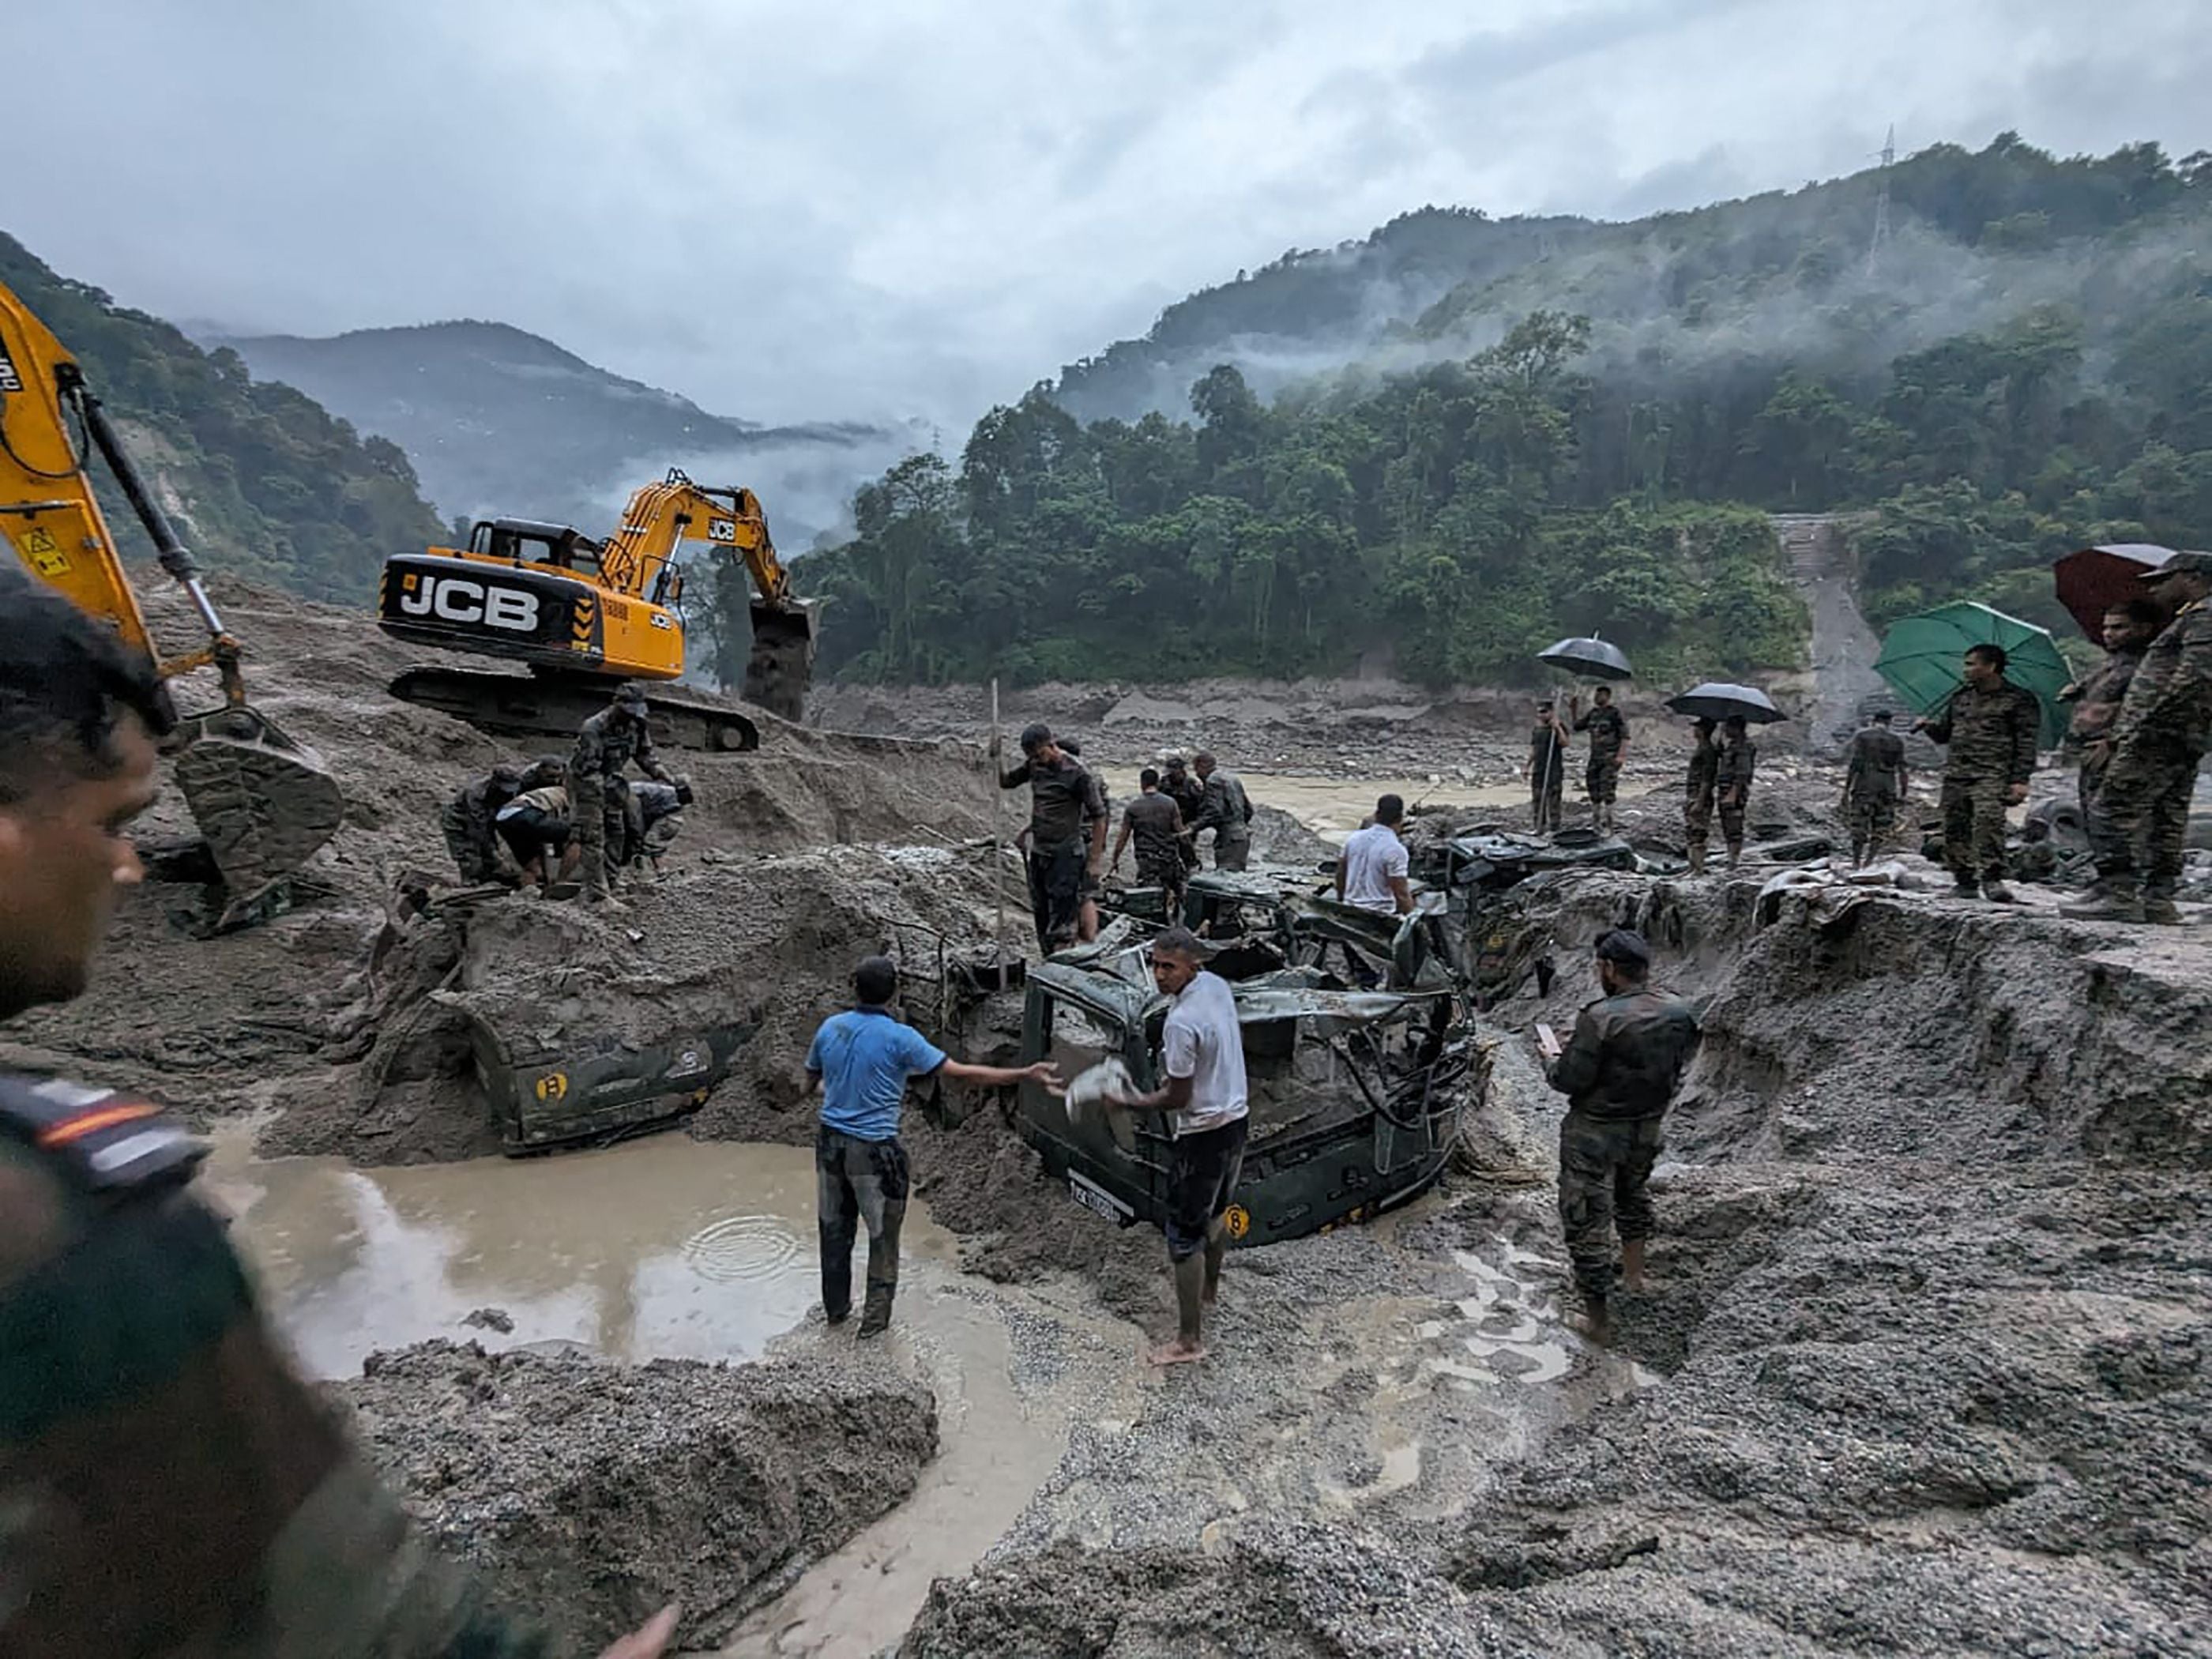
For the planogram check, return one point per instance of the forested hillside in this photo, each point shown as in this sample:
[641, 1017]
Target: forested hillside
[2020, 368]
[270, 484]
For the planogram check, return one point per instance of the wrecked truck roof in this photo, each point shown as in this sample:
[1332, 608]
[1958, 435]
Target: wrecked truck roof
[1290, 994]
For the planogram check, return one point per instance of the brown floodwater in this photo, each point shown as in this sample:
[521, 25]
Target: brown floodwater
[703, 1250]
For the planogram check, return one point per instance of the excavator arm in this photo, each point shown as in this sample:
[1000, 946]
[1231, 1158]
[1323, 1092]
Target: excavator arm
[641, 559]
[264, 803]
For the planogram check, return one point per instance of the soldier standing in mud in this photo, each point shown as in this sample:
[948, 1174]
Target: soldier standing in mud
[1609, 733]
[171, 1485]
[1189, 794]
[468, 823]
[1547, 768]
[1990, 725]
[1732, 782]
[1875, 782]
[1155, 822]
[1698, 800]
[2140, 818]
[2128, 630]
[1227, 811]
[1618, 1071]
[861, 1060]
[598, 789]
[1066, 832]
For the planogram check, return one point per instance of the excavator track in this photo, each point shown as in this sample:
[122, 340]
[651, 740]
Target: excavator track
[554, 705]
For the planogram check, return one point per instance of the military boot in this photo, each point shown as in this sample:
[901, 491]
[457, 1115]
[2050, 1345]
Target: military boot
[2158, 909]
[2114, 898]
[1697, 858]
[1997, 893]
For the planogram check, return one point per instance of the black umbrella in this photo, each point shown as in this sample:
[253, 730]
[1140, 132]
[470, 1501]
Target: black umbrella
[1591, 659]
[1717, 700]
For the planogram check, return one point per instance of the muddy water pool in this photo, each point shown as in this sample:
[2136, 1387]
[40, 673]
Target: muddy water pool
[668, 1247]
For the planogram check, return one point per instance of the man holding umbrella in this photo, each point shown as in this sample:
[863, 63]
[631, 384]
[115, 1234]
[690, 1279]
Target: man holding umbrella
[1990, 725]
[2142, 809]
[1609, 730]
[1732, 784]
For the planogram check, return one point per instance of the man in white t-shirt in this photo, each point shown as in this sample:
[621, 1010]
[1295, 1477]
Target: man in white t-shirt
[1374, 872]
[1202, 1058]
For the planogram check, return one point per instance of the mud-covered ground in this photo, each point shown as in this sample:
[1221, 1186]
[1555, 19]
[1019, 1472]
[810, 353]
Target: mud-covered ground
[591, 1495]
[1924, 1369]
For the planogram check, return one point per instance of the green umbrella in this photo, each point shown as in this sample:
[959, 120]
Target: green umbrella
[1922, 658]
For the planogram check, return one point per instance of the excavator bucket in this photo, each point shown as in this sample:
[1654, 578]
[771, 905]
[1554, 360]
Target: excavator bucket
[264, 803]
[782, 666]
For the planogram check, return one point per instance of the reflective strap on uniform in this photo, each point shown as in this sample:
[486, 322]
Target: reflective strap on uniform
[107, 1117]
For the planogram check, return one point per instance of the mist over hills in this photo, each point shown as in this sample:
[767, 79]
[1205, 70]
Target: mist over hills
[1441, 446]
[497, 420]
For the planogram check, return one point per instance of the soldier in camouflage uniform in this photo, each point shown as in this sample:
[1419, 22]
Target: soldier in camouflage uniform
[1874, 785]
[2127, 631]
[1618, 1071]
[1189, 794]
[1609, 730]
[171, 1488]
[1547, 768]
[1698, 797]
[2140, 814]
[598, 790]
[1226, 810]
[1991, 727]
[468, 823]
[1732, 783]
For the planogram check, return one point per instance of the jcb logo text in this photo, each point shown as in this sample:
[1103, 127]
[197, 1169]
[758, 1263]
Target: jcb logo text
[456, 598]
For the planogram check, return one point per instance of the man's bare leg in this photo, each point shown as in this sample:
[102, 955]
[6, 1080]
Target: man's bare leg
[1632, 1264]
[1594, 1320]
[1217, 1247]
[1190, 1295]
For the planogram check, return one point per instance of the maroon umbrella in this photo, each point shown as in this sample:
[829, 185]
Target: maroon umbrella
[2095, 579]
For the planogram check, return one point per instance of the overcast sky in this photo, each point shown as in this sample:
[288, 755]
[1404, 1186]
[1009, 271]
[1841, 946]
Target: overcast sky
[889, 208]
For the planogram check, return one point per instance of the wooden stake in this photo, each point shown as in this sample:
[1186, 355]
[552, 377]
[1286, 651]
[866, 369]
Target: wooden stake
[998, 843]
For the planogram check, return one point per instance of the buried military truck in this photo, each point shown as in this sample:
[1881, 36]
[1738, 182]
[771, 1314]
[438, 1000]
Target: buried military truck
[1356, 1095]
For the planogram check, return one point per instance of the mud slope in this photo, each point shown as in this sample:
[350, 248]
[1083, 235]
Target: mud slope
[593, 1494]
[1930, 1315]
[274, 1015]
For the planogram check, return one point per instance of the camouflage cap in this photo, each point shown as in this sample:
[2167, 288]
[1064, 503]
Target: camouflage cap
[1623, 945]
[631, 696]
[2179, 564]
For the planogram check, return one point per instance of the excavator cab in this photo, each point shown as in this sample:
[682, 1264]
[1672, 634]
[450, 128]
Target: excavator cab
[529, 542]
[263, 802]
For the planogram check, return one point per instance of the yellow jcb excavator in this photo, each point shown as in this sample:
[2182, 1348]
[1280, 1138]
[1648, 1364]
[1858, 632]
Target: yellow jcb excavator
[263, 802]
[584, 616]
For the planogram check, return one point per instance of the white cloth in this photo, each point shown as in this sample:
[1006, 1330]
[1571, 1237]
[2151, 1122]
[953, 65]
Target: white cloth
[1371, 857]
[1202, 1042]
[1086, 1099]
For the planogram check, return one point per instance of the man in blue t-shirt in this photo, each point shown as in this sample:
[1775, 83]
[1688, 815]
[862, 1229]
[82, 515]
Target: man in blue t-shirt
[861, 1060]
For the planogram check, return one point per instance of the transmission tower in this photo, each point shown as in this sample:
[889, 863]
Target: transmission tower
[1881, 201]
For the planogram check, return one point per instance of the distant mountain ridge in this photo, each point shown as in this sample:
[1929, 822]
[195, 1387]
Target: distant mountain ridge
[1975, 240]
[497, 419]
[268, 483]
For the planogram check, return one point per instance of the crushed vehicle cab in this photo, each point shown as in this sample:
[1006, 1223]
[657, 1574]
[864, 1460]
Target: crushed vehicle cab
[1355, 1095]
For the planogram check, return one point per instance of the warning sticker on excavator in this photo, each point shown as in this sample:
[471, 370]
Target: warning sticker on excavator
[43, 553]
[554, 1086]
[9, 380]
[1237, 1220]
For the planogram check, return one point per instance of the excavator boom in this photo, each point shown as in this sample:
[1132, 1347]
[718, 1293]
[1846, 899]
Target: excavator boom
[583, 615]
[264, 803]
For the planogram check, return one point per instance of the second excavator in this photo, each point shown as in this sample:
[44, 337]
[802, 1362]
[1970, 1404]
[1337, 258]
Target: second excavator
[582, 616]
